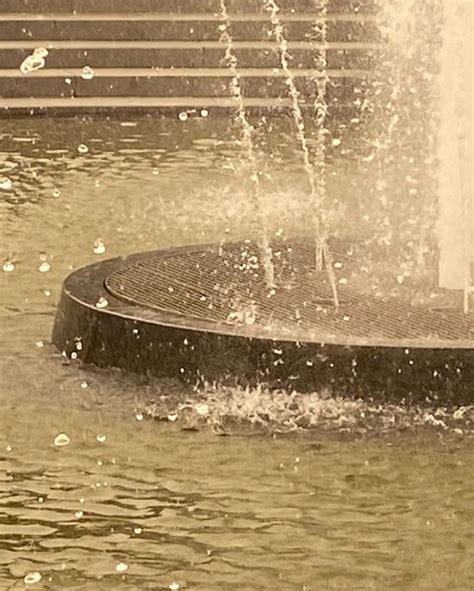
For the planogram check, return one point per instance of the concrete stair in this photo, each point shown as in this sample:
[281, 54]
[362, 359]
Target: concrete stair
[167, 54]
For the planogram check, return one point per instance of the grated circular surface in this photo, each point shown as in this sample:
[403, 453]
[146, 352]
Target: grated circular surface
[226, 286]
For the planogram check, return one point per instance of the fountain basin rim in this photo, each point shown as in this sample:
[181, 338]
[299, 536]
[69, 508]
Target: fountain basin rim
[86, 285]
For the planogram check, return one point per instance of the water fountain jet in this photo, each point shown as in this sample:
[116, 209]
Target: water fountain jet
[171, 312]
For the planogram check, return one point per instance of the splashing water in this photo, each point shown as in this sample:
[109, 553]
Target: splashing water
[87, 73]
[248, 143]
[316, 180]
[227, 408]
[35, 61]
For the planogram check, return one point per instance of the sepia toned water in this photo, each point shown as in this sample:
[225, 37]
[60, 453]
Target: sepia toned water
[133, 503]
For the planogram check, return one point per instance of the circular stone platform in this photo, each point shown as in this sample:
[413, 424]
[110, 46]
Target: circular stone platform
[204, 313]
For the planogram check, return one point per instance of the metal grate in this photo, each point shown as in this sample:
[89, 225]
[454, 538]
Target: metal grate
[226, 286]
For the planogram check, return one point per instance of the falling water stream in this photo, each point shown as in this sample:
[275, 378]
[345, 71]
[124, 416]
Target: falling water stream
[247, 140]
[316, 179]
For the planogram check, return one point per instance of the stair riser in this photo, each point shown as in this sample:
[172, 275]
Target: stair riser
[340, 92]
[188, 31]
[180, 6]
[186, 58]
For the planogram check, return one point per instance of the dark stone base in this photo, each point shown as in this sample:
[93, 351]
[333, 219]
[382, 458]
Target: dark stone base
[147, 341]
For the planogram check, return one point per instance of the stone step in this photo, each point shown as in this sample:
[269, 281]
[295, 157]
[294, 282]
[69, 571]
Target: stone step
[168, 30]
[161, 54]
[176, 72]
[97, 104]
[214, 17]
[338, 90]
[124, 55]
[182, 6]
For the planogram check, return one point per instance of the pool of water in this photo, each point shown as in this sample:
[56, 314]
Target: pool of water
[362, 500]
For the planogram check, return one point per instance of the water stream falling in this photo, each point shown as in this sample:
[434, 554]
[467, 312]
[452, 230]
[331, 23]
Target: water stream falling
[455, 148]
[248, 143]
[421, 144]
[398, 148]
[315, 174]
[321, 109]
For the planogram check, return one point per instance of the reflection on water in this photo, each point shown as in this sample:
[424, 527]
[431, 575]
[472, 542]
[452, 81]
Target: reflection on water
[133, 503]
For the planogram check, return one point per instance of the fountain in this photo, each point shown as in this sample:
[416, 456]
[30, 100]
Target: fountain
[455, 151]
[373, 317]
[247, 140]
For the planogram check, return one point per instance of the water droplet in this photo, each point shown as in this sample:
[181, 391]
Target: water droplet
[79, 514]
[9, 448]
[40, 500]
[61, 440]
[174, 586]
[33, 62]
[183, 116]
[68, 81]
[204, 113]
[336, 142]
[56, 193]
[5, 183]
[101, 438]
[82, 149]
[44, 267]
[32, 578]
[156, 172]
[87, 73]
[102, 303]
[172, 418]
[8, 266]
[137, 530]
[121, 567]
[139, 416]
[99, 246]
[41, 52]
[39, 344]
[84, 385]
[202, 409]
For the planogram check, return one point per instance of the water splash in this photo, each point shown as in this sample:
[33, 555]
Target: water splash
[35, 61]
[248, 143]
[228, 408]
[87, 73]
[316, 176]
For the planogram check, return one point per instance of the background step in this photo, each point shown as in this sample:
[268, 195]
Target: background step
[123, 57]
[261, 87]
[169, 53]
[166, 30]
[179, 6]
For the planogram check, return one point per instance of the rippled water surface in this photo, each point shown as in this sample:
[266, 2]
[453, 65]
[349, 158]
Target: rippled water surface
[135, 503]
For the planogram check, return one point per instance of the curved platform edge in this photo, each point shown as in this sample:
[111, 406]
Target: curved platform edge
[144, 341]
